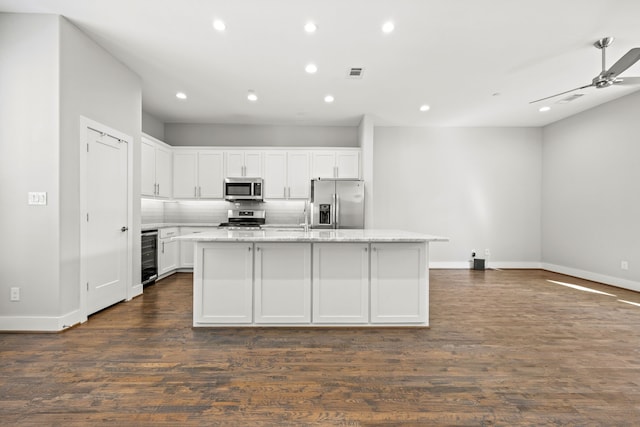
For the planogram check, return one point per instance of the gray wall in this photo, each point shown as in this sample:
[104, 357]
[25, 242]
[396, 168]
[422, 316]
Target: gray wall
[183, 134]
[591, 193]
[52, 73]
[478, 186]
[95, 85]
[29, 144]
[151, 125]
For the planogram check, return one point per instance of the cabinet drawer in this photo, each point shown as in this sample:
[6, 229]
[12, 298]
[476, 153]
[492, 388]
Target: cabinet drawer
[168, 232]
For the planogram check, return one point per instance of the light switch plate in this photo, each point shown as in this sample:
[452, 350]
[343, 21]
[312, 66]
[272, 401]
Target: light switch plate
[37, 198]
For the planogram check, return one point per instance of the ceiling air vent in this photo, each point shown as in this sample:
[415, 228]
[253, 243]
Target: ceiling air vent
[570, 98]
[355, 73]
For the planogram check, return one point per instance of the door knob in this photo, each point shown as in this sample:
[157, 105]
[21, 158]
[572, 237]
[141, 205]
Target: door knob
[123, 229]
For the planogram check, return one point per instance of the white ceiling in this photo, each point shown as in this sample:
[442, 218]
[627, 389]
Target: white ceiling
[475, 62]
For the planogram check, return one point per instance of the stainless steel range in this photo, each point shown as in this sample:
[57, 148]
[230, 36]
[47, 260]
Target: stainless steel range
[244, 219]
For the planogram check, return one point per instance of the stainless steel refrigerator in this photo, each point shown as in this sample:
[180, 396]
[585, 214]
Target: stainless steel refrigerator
[337, 203]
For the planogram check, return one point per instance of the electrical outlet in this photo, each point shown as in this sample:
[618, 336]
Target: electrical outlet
[624, 265]
[15, 294]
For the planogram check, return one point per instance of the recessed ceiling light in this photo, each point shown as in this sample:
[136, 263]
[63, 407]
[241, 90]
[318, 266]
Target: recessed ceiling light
[181, 95]
[329, 99]
[311, 68]
[544, 109]
[219, 25]
[251, 96]
[388, 27]
[424, 107]
[310, 27]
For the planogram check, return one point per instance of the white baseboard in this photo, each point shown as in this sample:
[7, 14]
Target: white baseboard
[136, 290]
[581, 274]
[457, 265]
[595, 277]
[40, 323]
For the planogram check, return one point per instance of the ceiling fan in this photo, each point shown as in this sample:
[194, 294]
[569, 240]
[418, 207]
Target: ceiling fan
[608, 77]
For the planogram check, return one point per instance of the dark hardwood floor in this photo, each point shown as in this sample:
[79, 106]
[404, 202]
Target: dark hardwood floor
[505, 348]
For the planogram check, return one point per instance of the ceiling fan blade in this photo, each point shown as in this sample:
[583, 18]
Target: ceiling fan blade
[623, 63]
[627, 81]
[561, 93]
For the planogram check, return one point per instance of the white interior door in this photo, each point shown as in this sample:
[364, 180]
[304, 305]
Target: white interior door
[106, 250]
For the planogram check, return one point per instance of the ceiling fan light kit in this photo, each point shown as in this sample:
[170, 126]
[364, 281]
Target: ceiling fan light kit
[608, 77]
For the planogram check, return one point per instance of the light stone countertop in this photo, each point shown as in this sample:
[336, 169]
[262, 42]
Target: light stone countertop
[342, 235]
[154, 226]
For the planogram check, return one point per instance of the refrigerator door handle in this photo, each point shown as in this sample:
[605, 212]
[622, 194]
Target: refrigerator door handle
[336, 210]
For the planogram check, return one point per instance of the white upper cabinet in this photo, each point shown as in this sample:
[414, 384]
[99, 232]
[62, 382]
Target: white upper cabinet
[210, 174]
[155, 168]
[336, 164]
[286, 174]
[198, 174]
[298, 174]
[275, 175]
[243, 163]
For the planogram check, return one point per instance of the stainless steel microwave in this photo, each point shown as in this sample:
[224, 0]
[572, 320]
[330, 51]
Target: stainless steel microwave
[236, 189]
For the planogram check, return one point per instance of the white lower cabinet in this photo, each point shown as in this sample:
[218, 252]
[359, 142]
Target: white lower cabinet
[341, 283]
[282, 283]
[168, 251]
[399, 283]
[223, 283]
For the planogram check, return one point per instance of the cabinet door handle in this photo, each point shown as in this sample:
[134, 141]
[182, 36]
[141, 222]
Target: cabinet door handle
[258, 249]
[249, 248]
[366, 249]
[158, 189]
[195, 191]
[162, 247]
[199, 191]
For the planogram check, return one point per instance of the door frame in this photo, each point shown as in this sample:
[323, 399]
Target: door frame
[99, 127]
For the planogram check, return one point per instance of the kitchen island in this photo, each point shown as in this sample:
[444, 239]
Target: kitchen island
[287, 277]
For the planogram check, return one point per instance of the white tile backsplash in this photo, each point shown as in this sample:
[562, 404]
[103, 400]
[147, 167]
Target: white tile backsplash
[151, 211]
[215, 211]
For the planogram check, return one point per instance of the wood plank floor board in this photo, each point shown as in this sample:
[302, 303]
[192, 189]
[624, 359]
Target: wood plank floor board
[504, 348]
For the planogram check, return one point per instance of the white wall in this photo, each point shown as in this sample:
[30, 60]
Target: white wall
[29, 142]
[591, 193]
[478, 186]
[183, 134]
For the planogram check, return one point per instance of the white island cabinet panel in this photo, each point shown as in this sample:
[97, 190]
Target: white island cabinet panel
[223, 282]
[283, 283]
[399, 283]
[340, 283]
[187, 249]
